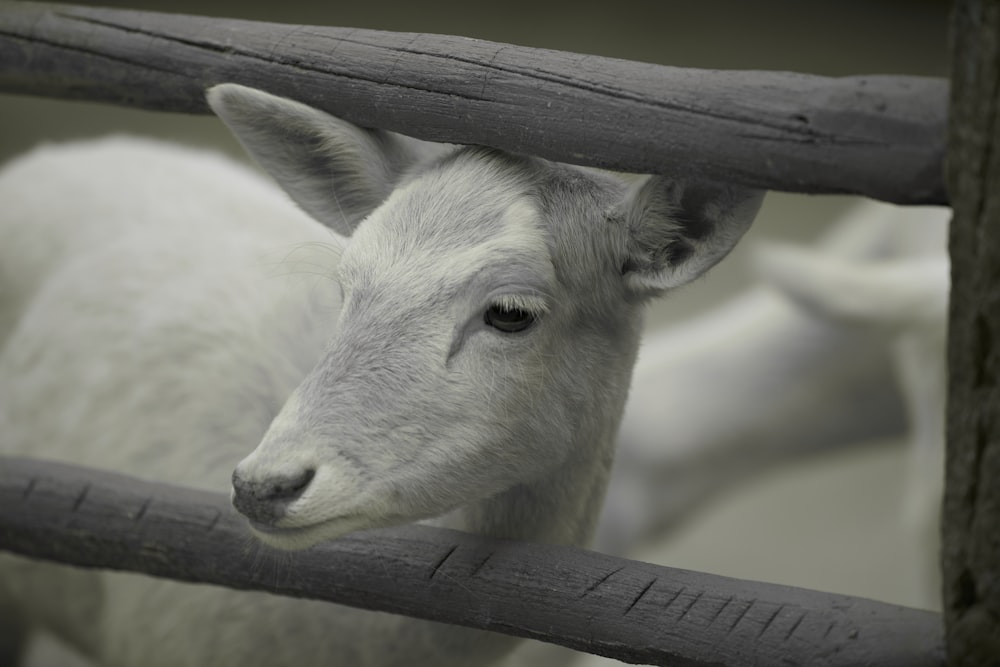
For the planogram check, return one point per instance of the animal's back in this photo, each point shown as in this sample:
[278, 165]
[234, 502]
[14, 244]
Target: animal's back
[149, 294]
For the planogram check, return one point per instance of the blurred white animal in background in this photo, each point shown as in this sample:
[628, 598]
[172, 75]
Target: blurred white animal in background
[902, 298]
[836, 345]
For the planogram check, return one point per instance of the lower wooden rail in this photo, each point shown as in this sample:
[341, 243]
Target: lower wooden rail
[632, 611]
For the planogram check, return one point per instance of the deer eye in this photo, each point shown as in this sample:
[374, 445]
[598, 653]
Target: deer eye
[508, 319]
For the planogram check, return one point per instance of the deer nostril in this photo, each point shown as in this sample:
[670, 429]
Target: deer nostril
[266, 500]
[291, 488]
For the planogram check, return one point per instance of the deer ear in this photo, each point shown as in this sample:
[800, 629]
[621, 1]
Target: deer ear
[676, 230]
[335, 171]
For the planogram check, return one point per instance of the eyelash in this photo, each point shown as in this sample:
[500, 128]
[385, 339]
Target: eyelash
[509, 318]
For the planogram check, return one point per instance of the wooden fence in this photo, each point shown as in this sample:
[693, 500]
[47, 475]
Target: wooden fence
[879, 136]
[883, 137]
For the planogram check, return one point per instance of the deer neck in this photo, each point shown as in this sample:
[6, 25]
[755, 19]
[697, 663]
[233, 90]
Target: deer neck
[559, 508]
[563, 505]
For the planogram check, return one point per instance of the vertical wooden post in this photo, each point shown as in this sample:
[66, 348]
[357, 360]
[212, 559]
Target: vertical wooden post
[971, 518]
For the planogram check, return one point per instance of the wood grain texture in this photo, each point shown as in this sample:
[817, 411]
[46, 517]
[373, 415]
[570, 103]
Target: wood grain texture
[634, 612]
[880, 136]
[971, 517]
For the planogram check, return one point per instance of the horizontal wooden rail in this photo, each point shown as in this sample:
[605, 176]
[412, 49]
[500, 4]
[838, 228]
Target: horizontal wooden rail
[880, 136]
[631, 611]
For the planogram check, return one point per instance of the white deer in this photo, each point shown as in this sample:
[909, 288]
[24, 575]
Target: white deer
[449, 337]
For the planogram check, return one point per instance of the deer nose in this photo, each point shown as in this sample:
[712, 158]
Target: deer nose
[264, 500]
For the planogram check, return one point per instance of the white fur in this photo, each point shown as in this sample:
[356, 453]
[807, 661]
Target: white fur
[167, 311]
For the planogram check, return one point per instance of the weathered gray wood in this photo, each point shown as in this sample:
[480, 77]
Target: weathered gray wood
[873, 135]
[635, 612]
[971, 517]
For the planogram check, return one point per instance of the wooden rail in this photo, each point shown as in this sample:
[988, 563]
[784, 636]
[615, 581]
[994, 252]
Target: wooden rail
[880, 136]
[634, 612]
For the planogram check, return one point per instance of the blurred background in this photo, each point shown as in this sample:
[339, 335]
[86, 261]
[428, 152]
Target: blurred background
[829, 521]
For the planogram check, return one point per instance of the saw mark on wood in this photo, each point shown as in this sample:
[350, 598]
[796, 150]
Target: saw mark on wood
[641, 594]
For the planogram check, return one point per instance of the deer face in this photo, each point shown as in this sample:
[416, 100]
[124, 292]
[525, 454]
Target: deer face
[489, 321]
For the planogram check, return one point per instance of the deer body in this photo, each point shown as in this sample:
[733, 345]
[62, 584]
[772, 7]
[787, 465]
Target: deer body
[447, 336]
